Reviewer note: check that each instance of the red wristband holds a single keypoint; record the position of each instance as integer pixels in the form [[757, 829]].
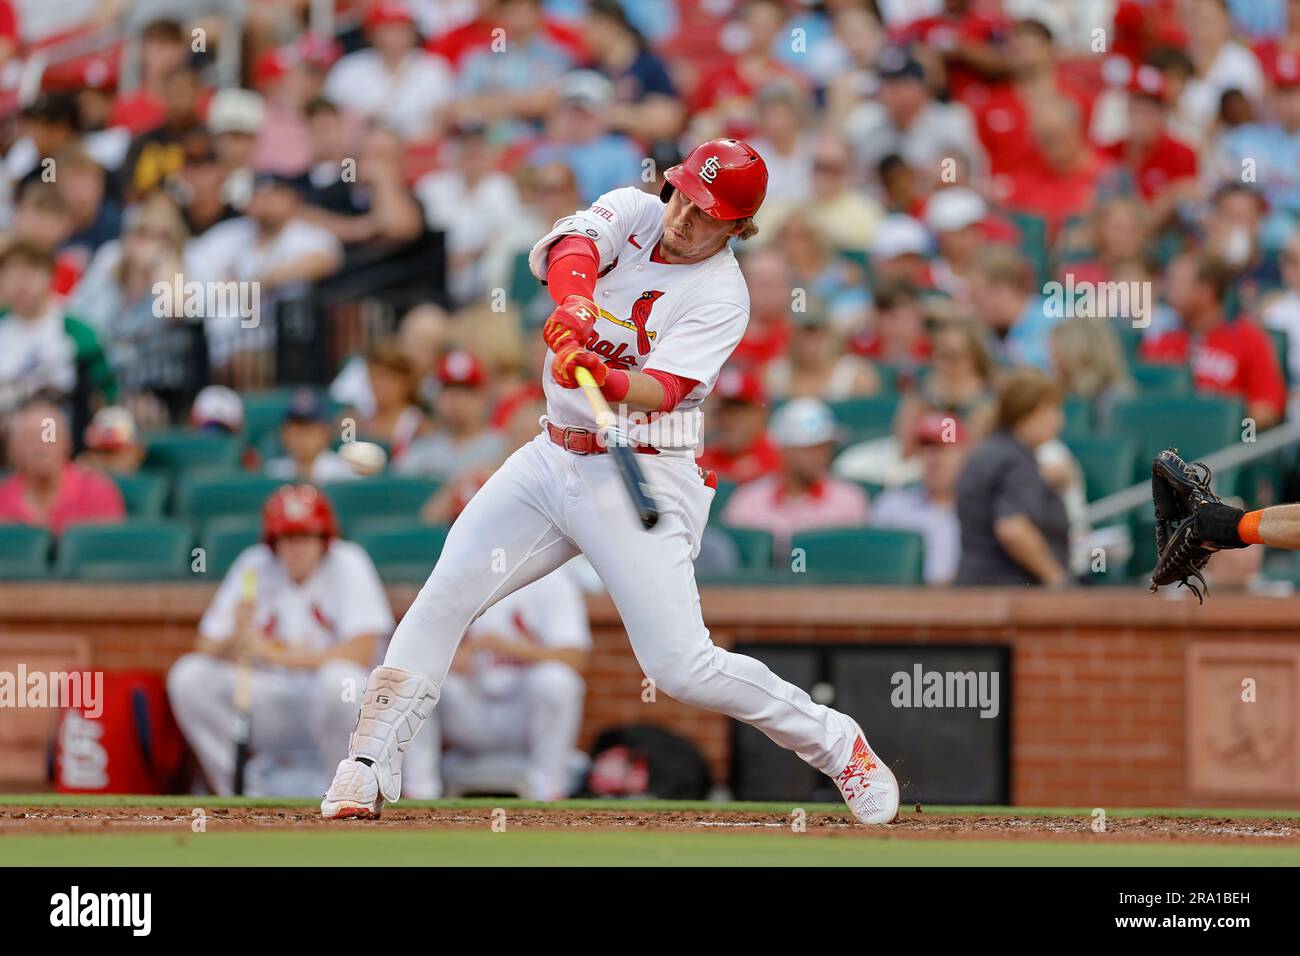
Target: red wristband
[[1248, 527], [616, 385]]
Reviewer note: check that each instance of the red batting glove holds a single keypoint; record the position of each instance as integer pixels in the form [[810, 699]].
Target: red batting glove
[[573, 321], [570, 358]]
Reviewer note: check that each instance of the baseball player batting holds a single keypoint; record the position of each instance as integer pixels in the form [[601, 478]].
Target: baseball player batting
[[650, 302]]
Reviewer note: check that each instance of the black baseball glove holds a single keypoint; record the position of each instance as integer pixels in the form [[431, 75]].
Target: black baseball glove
[[1192, 522]]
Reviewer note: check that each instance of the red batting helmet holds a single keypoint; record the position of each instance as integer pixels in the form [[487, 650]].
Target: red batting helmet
[[297, 509], [724, 177]]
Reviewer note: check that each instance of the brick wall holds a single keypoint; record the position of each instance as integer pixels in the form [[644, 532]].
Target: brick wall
[[1100, 705]]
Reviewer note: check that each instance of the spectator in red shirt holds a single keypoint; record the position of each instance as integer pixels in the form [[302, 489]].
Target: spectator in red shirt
[[1002, 116], [1062, 179], [969, 43], [164, 47], [1163, 168], [768, 332], [741, 449], [46, 488], [1234, 358], [725, 95]]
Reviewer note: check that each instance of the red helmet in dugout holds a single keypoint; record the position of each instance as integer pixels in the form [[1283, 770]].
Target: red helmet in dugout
[[724, 177], [297, 509]]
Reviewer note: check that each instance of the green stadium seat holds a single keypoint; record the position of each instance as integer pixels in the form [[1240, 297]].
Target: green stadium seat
[[1281, 347], [1152, 378], [134, 551], [182, 451], [1107, 464], [523, 284], [24, 552], [866, 418], [1130, 339], [404, 555], [225, 537], [144, 493], [1033, 241], [1194, 424], [204, 498], [862, 555], [1078, 418], [721, 495], [383, 496], [753, 546]]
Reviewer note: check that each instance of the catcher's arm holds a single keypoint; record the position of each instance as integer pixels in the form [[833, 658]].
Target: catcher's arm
[[1277, 527]]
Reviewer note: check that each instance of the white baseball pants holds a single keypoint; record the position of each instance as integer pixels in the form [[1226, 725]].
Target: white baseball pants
[[291, 711], [540, 509]]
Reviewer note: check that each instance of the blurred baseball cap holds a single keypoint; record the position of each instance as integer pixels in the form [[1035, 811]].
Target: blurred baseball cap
[[955, 208], [270, 178], [112, 429], [386, 11], [218, 407], [1149, 82], [802, 423], [899, 235], [586, 88], [939, 429], [740, 385], [897, 63], [1285, 71], [305, 406], [459, 367], [236, 110]]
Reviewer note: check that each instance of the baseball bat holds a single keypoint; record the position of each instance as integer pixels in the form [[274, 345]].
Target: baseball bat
[[243, 730], [616, 442]]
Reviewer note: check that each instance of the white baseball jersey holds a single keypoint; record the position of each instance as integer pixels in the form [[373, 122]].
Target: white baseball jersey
[[550, 612], [341, 600], [683, 319]]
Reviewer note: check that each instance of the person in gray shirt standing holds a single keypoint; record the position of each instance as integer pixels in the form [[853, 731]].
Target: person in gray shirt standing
[[1014, 528], [463, 441]]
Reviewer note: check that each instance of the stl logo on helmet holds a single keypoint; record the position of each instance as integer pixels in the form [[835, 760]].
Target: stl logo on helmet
[[709, 171]]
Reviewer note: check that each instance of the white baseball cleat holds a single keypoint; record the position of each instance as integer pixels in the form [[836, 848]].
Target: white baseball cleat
[[868, 786], [354, 793]]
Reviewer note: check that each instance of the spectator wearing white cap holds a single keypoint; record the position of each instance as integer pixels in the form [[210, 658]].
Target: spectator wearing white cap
[[235, 119], [899, 250], [956, 216], [803, 495], [393, 81], [218, 409]]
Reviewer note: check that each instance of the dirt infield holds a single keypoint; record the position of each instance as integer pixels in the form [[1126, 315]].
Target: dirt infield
[[15, 820]]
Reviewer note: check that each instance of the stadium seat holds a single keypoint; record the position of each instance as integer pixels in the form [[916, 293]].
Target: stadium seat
[[864, 418], [404, 555], [1078, 418], [383, 496], [225, 537], [1281, 347], [721, 495], [263, 413], [753, 546], [1033, 241], [134, 551], [1194, 424], [862, 555], [1130, 339], [203, 498], [1107, 464], [182, 451], [144, 493], [24, 552], [1153, 378]]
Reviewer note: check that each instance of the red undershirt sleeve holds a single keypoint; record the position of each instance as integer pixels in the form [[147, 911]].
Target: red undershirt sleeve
[[675, 388], [572, 268]]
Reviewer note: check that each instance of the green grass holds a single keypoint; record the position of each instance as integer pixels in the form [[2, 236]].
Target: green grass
[[355, 843], [358, 847]]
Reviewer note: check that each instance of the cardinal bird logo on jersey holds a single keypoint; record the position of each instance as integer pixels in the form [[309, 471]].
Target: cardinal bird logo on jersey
[[641, 315]]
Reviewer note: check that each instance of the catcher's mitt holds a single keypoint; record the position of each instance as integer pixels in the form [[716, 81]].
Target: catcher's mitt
[[1179, 491]]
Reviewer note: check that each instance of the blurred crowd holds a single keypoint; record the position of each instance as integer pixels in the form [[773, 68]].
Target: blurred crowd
[[936, 166]]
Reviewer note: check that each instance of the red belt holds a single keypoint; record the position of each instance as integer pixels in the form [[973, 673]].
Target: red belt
[[584, 441]]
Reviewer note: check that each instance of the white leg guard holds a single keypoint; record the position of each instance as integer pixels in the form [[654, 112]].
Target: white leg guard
[[395, 706]]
